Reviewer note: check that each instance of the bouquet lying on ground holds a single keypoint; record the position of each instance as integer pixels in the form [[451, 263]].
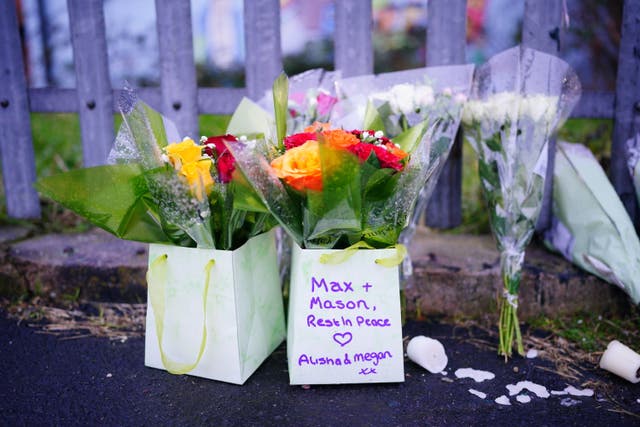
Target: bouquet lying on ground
[[335, 188], [599, 237], [161, 189], [520, 97]]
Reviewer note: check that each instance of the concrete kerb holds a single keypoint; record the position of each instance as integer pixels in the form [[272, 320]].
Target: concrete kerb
[[454, 275]]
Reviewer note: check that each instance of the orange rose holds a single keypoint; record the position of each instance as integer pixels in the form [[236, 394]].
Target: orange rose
[[338, 138], [317, 127], [300, 167], [396, 151]]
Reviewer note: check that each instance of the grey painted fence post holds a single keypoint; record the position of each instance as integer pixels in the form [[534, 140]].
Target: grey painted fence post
[[353, 44], [16, 147], [178, 83], [93, 84], [627, 106], [542, 30], [263, 52], [446, 43]]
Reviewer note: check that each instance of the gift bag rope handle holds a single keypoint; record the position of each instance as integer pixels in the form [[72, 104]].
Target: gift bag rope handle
[[156, 279], [343, 255]]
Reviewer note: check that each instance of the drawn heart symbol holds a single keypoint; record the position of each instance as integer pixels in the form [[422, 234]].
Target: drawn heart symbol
[[342, 338]]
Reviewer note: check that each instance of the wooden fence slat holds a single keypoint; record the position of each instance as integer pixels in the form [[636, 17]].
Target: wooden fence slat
[[16, 147], [542, 30], [594, 105], [86, 19], [627, 106], [210, 100], [177, 65], [263, 51], [353, 46], [224, 101], [219, 100], [446, 45]]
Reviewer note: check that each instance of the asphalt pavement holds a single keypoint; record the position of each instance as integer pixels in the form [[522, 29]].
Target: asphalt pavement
[[66, 380]]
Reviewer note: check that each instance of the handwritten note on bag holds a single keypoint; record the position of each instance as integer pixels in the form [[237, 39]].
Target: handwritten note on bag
[[344, 320]]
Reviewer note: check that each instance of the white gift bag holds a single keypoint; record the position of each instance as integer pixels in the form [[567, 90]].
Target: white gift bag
[[344, 317], [212, 313]]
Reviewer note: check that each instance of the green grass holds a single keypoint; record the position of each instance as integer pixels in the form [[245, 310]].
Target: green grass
[[593, 331]]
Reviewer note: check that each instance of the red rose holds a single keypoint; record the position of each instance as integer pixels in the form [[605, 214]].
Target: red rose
[[297, 139], [386, 159], [362, 150], [214, 147]]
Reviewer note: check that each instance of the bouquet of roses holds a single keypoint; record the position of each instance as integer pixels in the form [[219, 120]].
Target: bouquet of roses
[[520, 97], [333, 188], [160, 189]]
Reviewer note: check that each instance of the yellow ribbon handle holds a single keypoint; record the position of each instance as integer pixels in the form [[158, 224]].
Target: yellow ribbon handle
[[341, 256], [395, 259], [156, 279]]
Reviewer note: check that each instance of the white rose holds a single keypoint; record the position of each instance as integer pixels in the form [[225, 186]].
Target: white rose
[[402, 96]]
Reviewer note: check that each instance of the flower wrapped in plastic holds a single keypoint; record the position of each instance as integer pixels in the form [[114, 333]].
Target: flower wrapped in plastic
[[331, 188], [212, 262], [599, 237], [161, 188], [399, 100], [344, 195], [520, 97]]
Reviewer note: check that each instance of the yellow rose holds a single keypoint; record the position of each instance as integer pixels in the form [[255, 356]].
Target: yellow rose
[[183, 152], [198, 175], [300, 167]]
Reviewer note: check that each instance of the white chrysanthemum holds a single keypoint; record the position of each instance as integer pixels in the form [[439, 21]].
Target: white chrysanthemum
[[540, 107], [473, 111], [423, 95], [503, 107]]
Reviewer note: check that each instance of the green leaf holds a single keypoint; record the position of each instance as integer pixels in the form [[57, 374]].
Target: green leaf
[[372, 118], [489, 175], [113, 197], [250, 119], [157, 125], [280, 106], [409, 139], [244, 196], [494, 143], [381, 185], [337, 209]]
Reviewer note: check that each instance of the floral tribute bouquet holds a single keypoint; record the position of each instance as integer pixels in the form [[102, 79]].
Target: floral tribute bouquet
[[212, 259], [520, 97], [331, 188], [344, 196]]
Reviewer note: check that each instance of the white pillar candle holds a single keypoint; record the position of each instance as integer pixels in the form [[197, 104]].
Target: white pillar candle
[[622, 361], [428, 353]]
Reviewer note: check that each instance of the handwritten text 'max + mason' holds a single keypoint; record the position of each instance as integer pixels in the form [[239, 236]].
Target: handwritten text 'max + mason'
[[321, 286]]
